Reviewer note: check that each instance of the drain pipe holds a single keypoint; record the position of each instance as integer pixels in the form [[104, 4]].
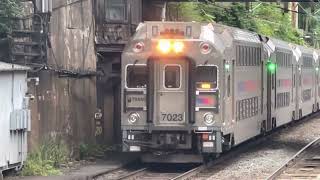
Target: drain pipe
[[164, 9]]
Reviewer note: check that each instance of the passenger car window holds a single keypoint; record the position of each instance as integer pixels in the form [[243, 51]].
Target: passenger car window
[[206, 74], [172, 76], [136, 76]]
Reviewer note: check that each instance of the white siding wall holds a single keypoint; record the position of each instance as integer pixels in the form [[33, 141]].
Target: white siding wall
[[13, 144]]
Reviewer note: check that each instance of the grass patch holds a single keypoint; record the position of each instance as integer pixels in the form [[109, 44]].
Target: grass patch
[[93, 150], [46, 160]]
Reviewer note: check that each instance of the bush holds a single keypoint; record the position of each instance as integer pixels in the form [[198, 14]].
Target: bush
[[46, 160]]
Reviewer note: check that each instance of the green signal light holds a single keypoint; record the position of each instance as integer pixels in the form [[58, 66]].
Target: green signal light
[[227, 66], [317, 69], [271, 67]]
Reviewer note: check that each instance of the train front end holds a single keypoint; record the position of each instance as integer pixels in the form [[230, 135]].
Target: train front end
[[171, 92]]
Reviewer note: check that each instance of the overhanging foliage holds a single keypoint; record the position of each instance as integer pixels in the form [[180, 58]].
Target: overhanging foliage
[[267, 19], [8, 10]]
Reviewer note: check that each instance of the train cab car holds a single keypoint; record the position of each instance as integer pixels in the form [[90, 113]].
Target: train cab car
[[171, 92], [280, 84], [306, 82], [192, 90]]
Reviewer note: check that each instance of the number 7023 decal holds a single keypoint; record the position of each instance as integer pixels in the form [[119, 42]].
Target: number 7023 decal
[[171, 117]]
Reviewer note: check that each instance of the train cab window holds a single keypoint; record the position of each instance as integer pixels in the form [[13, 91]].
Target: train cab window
[[136, 76], [206, 74], [116, 10], [172, 76]]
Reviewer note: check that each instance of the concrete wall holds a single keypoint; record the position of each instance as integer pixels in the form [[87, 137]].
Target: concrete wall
[[64, 106]]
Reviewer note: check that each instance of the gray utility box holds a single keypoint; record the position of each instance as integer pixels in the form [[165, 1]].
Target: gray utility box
[[14, 116]]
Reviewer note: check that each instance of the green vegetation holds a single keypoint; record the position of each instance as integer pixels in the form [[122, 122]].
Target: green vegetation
[[270, 20], [92, 150], [265, 18], [8, 10], [46, 160]]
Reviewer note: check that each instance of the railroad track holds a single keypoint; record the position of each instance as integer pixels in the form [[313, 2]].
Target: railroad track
[[143, 172], [206, 171], [161, 172], [137, 171], [303, 165], [121, 172]]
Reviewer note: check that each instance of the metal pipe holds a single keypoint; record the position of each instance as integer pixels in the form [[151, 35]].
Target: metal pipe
[[163, 15]]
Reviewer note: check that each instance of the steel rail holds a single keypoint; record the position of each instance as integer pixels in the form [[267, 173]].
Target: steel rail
[[134, 174], [190, 173], [120, 168], [293, 159]]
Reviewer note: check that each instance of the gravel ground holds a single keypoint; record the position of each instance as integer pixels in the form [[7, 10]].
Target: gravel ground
[[261, 161]]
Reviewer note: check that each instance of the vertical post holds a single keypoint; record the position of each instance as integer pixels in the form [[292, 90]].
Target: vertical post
[[130, 18], [294, 15], [163, 15]]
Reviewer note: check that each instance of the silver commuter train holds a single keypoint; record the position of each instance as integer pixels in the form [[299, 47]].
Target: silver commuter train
[[192, 90]]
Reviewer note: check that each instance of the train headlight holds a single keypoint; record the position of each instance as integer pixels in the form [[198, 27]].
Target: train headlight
[[208, 118], [164, 46], [133, 117], [178, 47]]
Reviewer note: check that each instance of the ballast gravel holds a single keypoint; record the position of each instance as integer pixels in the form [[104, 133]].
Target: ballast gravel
[[263, 160]]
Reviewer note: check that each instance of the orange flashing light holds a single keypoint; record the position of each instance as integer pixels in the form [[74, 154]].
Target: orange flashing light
[[165, 46], [205, 85]]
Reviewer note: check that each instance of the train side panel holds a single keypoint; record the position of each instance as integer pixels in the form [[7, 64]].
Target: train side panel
[[306, 82], [248, 91], [285, 92]]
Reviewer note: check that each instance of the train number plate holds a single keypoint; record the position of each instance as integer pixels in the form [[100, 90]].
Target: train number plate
[[172, 117]]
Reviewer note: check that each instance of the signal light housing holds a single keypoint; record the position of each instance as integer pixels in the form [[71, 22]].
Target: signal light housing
[[138, 47], [205, 48]]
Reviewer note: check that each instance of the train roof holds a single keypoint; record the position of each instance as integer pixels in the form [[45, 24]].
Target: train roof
[[237, 34], [281, 44], [306, 50]]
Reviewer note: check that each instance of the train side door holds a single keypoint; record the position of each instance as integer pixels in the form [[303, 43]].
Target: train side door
[[271, 97], [315, 81], [298, 92], [171, 88]]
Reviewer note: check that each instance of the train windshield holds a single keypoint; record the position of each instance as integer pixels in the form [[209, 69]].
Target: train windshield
[[172, 76], [137, 76], [207, 75]]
